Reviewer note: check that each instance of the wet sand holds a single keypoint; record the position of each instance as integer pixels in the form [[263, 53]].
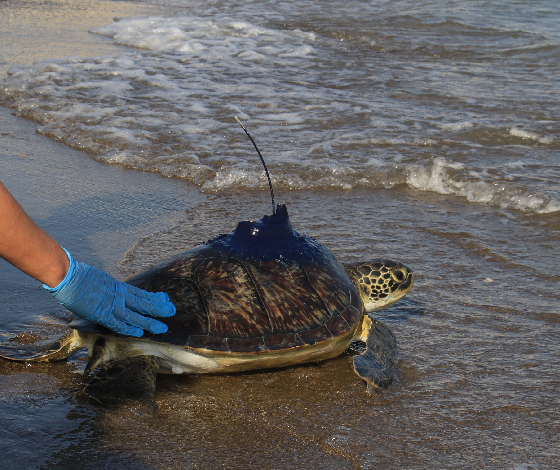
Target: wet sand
[[96, 211], [45, 29]]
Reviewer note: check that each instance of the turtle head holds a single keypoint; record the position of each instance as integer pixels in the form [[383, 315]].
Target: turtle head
[[380, 282]]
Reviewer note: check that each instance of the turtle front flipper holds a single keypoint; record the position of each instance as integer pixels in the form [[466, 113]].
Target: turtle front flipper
[[376, 365], [129, 382], [60, 350]]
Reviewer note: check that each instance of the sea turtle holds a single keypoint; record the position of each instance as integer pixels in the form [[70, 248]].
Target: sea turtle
[[260, 297]]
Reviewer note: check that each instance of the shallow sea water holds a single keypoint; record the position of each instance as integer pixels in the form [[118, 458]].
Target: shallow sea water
[[426, 133]]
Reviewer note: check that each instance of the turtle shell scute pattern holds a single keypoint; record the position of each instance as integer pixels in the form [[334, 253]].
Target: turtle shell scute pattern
[[246, 305]]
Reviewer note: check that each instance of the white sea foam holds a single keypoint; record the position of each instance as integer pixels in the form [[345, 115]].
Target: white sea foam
[[457, 126], [221, 36], [514, 131], [434, 178], [445, 177], [167, 106]]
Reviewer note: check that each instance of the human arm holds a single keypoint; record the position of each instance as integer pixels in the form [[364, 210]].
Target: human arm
[[84, 290], [26, 246]]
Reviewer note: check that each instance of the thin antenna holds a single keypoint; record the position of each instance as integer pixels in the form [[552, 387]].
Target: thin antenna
[[264, 164]]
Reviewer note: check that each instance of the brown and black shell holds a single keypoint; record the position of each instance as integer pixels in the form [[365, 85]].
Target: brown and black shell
[[263, 287]]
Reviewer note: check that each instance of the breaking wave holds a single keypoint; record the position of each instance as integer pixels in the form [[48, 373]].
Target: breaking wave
[[168, 107]]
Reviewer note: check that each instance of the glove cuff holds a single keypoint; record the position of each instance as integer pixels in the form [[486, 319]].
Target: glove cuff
[[69, 274]]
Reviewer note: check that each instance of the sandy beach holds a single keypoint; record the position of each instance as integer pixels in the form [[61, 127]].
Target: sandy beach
[[435, 176]]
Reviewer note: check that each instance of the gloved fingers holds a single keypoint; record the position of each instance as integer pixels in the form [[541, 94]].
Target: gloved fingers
[[121, 327], [113, 314], [136, 320], [148, 303], [145, 323]]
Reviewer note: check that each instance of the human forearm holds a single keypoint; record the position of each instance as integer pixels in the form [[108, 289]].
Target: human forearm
[[26, 246], [86, 291]]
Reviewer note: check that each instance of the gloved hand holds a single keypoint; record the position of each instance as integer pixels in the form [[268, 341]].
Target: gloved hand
[[94, 295]]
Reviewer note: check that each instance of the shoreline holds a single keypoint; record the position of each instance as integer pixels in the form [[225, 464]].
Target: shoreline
[[479, 358], [96, 211], [35, 30], [54, 182]]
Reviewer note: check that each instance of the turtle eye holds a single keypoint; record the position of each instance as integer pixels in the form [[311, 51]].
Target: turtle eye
[[398, 275]]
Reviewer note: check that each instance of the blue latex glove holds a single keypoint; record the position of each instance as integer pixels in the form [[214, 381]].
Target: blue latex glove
[[94, 295]]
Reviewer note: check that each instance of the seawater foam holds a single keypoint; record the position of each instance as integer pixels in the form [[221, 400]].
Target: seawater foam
[[204, 70], [457, 126], [219, 37], [167, 106], [444, 177], [514, 131], [434, 179]]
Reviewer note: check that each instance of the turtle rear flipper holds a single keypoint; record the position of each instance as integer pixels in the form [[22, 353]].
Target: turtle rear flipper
[[60, 350], [377, 364], [129, 382]]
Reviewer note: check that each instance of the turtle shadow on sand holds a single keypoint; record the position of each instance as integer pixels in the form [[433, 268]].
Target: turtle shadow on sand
[[260, 297]]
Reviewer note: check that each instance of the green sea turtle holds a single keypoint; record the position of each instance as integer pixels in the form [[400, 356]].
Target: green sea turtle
[[260, 297]]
